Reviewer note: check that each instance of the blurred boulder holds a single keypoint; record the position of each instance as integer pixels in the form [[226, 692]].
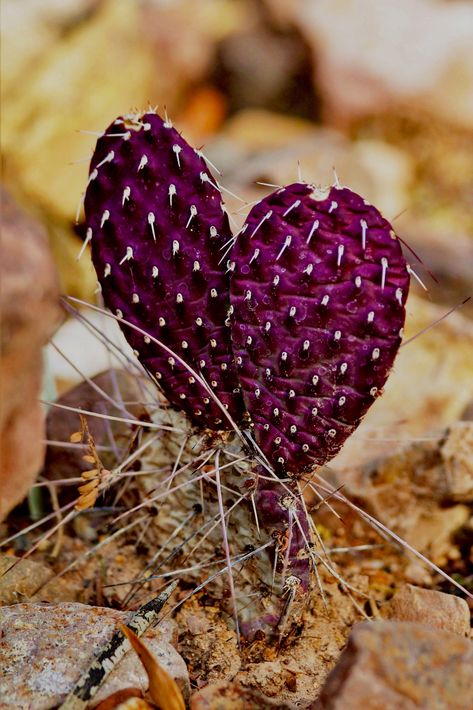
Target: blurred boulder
[[373, 56], [258, 145], [29, 313], [393, 665], [427, 606], [71, 68]]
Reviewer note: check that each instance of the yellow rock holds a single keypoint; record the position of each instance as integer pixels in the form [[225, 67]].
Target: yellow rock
[[95, 73]]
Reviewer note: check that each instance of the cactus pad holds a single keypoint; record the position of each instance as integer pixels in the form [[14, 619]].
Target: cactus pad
[[317, 292], [157, 226]]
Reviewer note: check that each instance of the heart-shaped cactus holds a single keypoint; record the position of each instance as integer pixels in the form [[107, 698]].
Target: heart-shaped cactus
[[157, 226], [294, 330], [318, 288]]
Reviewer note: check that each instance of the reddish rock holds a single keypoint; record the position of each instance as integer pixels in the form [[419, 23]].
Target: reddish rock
[[30, 311], [391, 665], [231, 696], [427, 606]]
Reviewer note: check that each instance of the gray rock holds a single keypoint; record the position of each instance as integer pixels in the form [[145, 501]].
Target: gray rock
[[44, 649]]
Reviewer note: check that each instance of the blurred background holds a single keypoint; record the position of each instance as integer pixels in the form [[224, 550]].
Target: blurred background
[[379, 91]]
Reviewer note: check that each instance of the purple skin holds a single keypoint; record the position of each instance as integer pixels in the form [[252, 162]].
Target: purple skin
[[280, 510], [156, 224], [318, 292]]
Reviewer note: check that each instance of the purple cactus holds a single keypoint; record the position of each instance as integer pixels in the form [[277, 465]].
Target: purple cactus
[[156, 223], [318, 292]]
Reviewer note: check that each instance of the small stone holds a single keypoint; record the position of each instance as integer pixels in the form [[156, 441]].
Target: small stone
[[393, 665], [427, 606], [232, 696], [46, 648], [417, 573], [19, 579], [457, 458]]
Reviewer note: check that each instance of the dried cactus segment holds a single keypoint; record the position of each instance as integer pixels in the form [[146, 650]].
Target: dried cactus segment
[[156, 225], [318, 292], [280, 509]]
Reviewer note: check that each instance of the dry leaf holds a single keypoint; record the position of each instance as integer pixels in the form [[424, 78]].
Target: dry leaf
[[89, 490], [135, 704], [162, 688], [119, 699]]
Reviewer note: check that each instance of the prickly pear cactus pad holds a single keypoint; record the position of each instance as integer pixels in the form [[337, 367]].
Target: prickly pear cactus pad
[[318, 288], [156, 226]]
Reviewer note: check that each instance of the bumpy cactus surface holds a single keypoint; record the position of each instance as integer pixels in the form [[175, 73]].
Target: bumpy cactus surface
[[294, 330], [318, 290], [156, 225]]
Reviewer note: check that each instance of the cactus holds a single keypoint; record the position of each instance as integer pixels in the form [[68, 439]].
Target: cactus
[[292, 334], [156, 225], [318, 288]]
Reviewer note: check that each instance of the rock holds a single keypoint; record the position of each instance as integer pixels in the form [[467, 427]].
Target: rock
[[258, 145], [391, 665], [41, 24], [419, 481], [29, 313], [260, 66], [82, 346], [288, 675], [83, 82], [45, 648], [361, 54], [23, 580], [19, 581], [427, 606], [457, 457], [231, 696]]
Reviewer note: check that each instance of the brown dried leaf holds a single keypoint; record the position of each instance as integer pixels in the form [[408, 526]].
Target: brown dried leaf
[[135, 704], [86, 501], [89, 487], [93, 473], [118, 699], [88, 458], [162, 688]]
